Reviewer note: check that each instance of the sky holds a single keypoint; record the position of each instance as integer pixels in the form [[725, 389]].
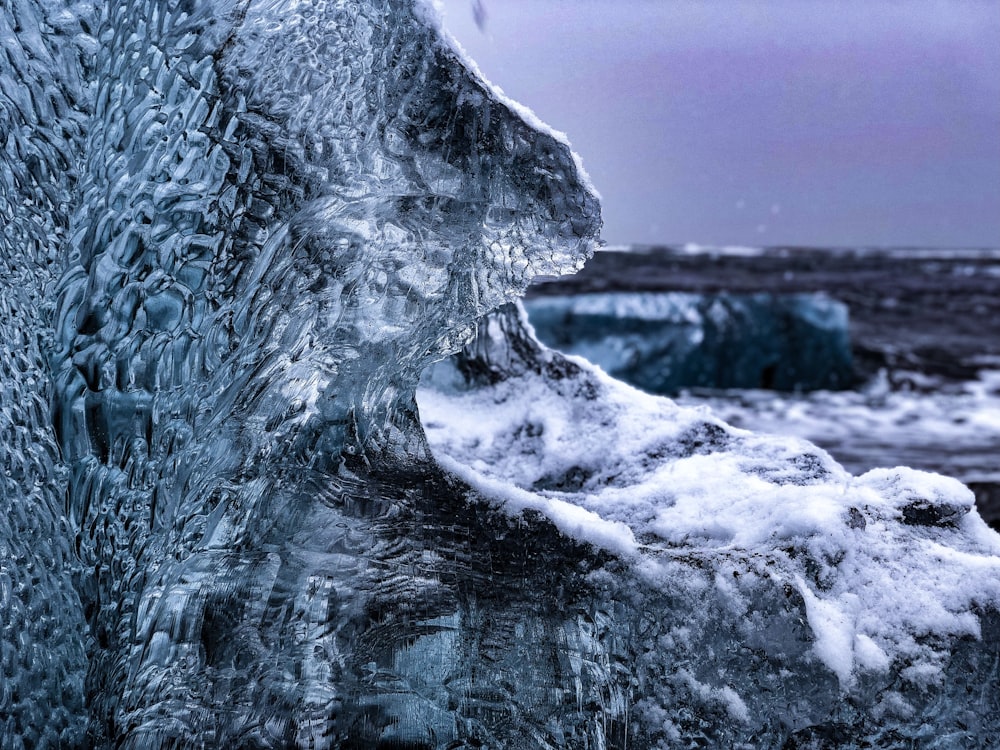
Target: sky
[[764, 122]]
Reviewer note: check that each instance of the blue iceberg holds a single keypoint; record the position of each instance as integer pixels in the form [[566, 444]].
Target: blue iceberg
[[663, 342]]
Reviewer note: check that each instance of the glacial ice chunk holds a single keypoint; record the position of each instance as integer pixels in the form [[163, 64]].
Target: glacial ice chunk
[[288, 211]]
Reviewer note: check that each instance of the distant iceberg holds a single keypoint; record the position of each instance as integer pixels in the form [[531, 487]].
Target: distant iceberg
[[665, 341], [238, 236]]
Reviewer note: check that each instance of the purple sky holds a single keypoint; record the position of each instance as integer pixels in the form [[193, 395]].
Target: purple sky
[[809, 122]]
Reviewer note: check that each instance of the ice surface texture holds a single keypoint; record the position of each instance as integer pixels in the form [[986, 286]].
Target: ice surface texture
[[42, 114], [288, 210], [268, 218]]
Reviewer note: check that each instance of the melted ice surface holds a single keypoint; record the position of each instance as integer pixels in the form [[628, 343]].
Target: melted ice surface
[[264, 220], [43, 107]]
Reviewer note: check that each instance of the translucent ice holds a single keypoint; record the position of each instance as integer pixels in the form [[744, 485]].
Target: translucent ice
[[289, 210], [42, 109]]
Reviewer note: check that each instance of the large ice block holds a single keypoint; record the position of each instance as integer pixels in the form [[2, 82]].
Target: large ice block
[[289, 210]]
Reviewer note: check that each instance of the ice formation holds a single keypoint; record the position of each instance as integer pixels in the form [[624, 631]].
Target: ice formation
[[42, 113], [664, 341], [288, 211], [235, 235]]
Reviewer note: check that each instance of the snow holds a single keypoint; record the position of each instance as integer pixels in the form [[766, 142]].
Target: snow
[[881, 560]]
